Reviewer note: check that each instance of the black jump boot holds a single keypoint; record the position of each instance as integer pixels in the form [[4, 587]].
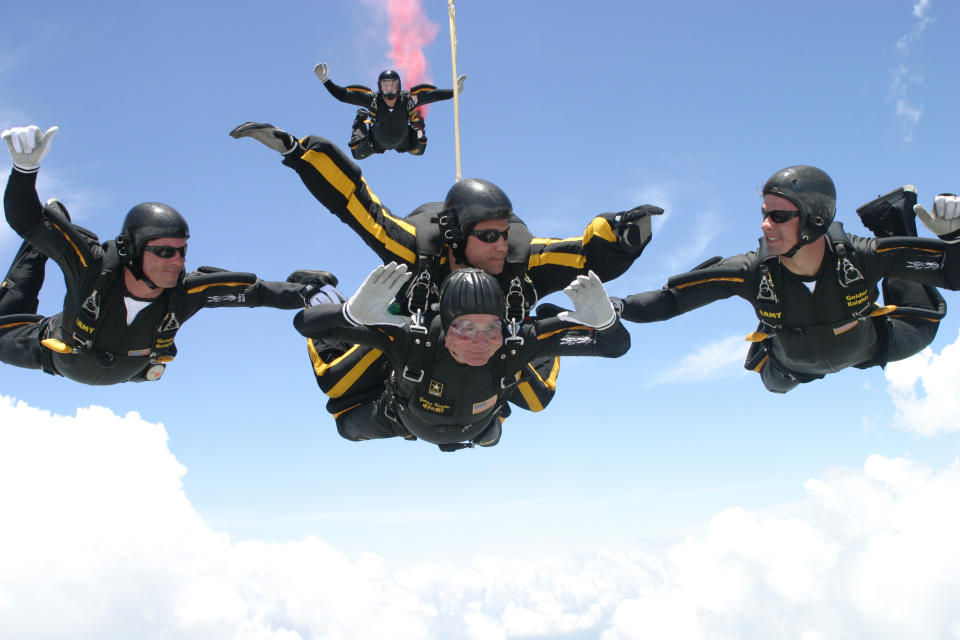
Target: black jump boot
[[891, 214]]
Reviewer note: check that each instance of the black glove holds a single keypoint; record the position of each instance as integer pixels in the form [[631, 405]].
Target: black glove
[[633, 226], [318, 278], [319, 286], [548, 310]]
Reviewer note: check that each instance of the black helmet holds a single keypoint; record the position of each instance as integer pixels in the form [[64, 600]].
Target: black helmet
[[469, 290], [145, 222], [813, 192], [389, 74], [468, 202]]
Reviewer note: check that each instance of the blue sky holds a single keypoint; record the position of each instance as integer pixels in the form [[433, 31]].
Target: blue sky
[[664, 486]]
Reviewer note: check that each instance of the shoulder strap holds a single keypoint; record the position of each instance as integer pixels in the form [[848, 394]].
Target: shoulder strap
[[89, 315], [423, 288], [849, 273], [767, 304], [420, 347], [509, 367]]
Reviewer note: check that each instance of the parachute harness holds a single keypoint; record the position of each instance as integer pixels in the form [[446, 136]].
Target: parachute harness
[[515, 311]]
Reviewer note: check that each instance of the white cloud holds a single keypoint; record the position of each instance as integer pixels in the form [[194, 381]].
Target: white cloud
[[904, 78], [717, 360], [926, 391], [99, 540]]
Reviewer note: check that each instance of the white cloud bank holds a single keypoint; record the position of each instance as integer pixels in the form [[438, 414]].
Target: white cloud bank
[[926, 391], [98, 540], [718, 360]]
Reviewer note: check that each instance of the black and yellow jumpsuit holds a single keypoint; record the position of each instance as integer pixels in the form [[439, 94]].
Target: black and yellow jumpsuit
[[550, 264], [451, 402]]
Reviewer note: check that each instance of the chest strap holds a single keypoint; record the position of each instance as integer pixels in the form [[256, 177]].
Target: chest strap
[[849, 276]]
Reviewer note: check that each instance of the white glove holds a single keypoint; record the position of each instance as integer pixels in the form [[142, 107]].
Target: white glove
[[370, 303], [945, 220], [328, 294], [591, 306], [460, 80], [28, 146], [321, 70]]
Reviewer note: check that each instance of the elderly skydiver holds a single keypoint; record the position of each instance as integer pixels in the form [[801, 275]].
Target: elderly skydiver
[[450, 382], [475, 226]]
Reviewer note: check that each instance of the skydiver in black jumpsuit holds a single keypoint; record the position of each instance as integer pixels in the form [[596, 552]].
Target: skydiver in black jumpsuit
[[125, 299], [476, 213], [452, 382], [389, 118], [814, 288]]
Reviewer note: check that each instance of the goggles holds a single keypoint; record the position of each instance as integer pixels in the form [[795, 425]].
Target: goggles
[[166, 252], [779, 216], [472, 330], [489, 235]]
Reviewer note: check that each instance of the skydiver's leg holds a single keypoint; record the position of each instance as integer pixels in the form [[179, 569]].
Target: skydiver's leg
[[332, 177], [20, 289], [369, 421], [416, 142], [490, 436], [922, 307], [914, 325], [20, 336], [323, 167], [779, 379], [363, 422], [349, 374], [537, 385], [361, 145], [20, 328]]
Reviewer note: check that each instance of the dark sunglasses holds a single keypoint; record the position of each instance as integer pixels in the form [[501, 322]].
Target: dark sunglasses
[[165, 252], [780, 216], [489, 235]]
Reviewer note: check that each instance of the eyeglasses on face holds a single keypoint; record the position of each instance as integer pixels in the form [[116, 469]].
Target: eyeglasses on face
[[779, 216], [489, 235], [472, 330], [166, 252]]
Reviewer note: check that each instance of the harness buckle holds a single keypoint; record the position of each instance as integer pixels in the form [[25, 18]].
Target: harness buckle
[[848, 271], [81, 343], [416, 324], [765, 292], [412, 375], [514, 338], [418, 297]]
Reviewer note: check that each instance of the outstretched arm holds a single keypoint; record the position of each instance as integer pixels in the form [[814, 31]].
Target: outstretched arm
[[688, 291], [212, 287], [354, 94], [608, 246]]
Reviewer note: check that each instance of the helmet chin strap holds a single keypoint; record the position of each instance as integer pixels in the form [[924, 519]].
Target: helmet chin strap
[[793, 250], [140, 276]]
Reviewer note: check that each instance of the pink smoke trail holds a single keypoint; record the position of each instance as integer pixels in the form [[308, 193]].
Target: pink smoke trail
[[410, 32]]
